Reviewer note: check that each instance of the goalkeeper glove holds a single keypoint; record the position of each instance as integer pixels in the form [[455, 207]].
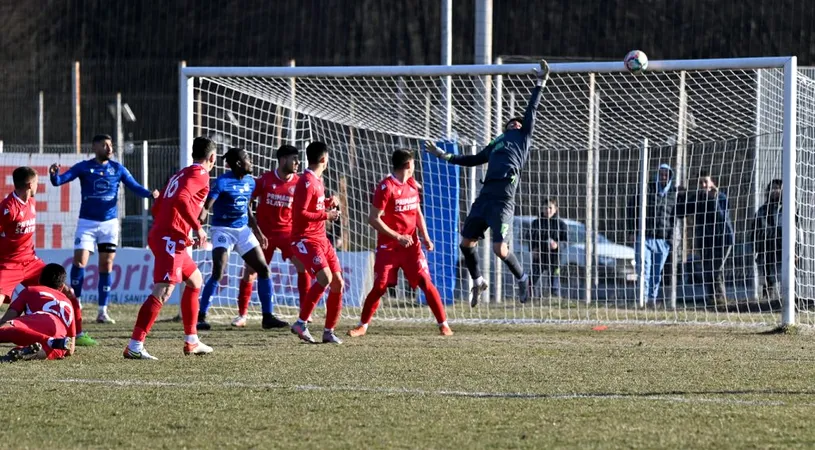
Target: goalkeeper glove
[[543, 72], [431, 148]]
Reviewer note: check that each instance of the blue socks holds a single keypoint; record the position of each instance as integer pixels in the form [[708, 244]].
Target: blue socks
[[265, 295], [104, 288], [77, 279], [209, 289]]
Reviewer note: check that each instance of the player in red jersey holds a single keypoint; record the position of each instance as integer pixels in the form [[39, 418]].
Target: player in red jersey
[[397, 217], [275, 193], [177, 211], [312, 248], [41, 319], [19, 263]]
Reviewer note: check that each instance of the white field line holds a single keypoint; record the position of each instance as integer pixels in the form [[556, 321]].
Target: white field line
[[694, 398]]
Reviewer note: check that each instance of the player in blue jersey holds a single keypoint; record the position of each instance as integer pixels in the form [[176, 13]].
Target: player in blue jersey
[[98, 226], [234, 226]]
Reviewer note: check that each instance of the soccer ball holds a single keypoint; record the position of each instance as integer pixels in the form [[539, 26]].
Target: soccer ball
[[636, 62]]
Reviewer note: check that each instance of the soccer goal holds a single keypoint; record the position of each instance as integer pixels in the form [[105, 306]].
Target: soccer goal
[[601, 135]]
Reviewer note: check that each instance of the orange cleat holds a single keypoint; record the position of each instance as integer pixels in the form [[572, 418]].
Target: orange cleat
[[357, 331], [445, 330]]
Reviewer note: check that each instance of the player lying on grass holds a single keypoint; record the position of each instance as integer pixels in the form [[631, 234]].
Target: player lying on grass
[[41, 319], [234, 226], [98, 226], [176, 214], [275, 193], [312, 248], [494, 208], [397, 217], [19, 264]]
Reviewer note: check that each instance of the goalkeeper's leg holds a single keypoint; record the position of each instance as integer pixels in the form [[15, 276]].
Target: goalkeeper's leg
[[500, 222], [474, 227]]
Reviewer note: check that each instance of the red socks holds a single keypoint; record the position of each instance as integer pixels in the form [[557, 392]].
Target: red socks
[[433, 298], [22, 335], [244, 295], [148, 313], [304, 281], [332, 309], [189, 310], [372, 303], [312, 297]]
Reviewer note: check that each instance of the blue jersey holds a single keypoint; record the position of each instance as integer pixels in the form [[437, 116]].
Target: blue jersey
[[232, 197], [100, 187]]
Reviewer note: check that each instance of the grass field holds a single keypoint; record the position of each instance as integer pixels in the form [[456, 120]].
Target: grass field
[[402, 386]]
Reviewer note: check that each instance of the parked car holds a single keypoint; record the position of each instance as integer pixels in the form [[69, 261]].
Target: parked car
[[615, 263]]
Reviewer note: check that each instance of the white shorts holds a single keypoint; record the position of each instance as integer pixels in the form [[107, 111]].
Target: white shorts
[[90, 233], [242, 239]]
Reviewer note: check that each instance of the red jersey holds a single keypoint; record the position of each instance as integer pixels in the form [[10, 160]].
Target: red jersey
[[177, 209], [17, 224], [308, 208], [399, 203], [44, 300], [276, 196]]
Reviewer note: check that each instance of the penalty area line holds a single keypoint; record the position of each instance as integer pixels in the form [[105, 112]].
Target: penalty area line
[[421, 392]]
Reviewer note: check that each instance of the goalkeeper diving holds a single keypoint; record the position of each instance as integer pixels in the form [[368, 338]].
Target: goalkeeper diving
[[494, 208]]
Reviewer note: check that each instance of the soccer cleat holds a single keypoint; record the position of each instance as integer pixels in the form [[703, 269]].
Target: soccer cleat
[[104, 318], [239, 321], [357, 331], [198, 348], [445, 330], [83, 340], [22, 353], [130, 354], [525, 290], [330, 338], [301, 330], [475, 292], [270, 321], [203, 326]]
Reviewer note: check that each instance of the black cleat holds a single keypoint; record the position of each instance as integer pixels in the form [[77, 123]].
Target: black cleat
[[270, 321], [22, 353], [203, 326]]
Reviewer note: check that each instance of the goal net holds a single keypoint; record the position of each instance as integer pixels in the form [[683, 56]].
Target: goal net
[[597, 128]]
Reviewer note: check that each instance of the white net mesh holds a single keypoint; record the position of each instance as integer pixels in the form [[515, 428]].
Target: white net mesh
[[727, 122]]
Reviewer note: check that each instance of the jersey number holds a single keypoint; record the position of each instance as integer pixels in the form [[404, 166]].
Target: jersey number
[[60, 309], [172, 185]]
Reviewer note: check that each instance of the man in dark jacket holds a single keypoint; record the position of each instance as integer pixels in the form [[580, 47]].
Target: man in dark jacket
[[546, 236], [660, 215], [713, 232], [767, 238]]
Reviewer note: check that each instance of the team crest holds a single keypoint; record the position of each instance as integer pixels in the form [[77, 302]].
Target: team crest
[[77, 241], [291, 190], [221, 239], [274, 186], [110, 171], [399, 192], [317, 260], [308, 184], [383, 187]]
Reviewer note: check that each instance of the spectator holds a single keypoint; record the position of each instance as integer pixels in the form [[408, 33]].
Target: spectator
[[546, 236], [660, 215], [713, 233], [767, 238]]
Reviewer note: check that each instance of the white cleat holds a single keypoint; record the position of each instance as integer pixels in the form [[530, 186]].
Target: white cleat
[[239, 321], [197, 349], [130, 354], [330, 338], [104, 318]]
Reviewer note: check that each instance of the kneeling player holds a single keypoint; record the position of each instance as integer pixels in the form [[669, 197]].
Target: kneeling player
[[397, 217], [230, 202], [275, 193], [41, 319], [176, 212]]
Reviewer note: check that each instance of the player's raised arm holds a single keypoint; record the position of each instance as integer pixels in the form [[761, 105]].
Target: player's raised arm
[[133, 185], [542, 75], [478, 159], [69, 175]]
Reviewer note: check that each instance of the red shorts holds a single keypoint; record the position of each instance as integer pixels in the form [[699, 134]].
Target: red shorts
[[278, 241], [47, 324], [15, 274], [316, 255], [390, 259], [173, 264]]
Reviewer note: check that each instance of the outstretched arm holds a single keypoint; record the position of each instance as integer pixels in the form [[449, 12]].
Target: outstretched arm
[[542, 75], [133, 185], [58, 179], [478, 159]]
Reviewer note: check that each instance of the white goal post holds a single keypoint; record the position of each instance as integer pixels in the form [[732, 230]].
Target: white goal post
[[743, 121]]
